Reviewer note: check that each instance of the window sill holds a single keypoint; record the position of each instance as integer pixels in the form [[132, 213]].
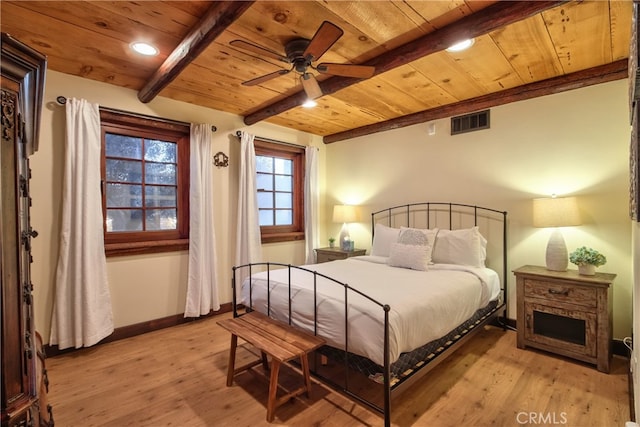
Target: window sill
[[136, 248], [283, 237]]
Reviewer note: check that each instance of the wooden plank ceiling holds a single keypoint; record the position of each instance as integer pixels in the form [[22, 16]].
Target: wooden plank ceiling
[[521, 49]]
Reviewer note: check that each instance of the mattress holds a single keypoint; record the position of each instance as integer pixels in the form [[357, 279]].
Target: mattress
[[423, 305]]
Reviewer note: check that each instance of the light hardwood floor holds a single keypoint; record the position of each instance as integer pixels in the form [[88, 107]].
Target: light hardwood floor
[[176, 377]]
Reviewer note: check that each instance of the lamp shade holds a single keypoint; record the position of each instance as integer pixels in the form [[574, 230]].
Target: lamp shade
[[345, 213], [556, 212]]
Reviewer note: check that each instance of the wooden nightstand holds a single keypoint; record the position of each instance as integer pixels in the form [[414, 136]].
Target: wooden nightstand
[[332, 254], [566, 313]]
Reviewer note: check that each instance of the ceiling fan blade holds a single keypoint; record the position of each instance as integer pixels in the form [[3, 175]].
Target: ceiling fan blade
[[265, 78], [241, 44], [347, 70], [322, 40], [311, 86]]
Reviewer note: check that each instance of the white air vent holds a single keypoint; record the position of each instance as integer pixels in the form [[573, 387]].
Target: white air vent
[[470, 122]]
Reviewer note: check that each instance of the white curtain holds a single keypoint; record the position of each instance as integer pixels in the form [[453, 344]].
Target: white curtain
[[82, 313], [311, 202], [202, 285], [248, 242]]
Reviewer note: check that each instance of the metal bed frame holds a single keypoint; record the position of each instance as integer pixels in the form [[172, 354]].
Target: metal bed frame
[[426, 214]]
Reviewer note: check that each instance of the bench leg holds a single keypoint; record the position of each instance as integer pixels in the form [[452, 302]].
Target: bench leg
[[265, 362], [304, 362], [273, 389], [232, 359]]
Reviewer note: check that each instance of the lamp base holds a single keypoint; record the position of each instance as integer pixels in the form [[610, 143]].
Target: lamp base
[[345, 238], [556, 257]]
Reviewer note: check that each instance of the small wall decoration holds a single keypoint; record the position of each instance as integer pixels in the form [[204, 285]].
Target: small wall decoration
[[221, 160]]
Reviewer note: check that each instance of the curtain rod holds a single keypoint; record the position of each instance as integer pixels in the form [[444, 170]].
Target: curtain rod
[[275, 141], [63, 100]]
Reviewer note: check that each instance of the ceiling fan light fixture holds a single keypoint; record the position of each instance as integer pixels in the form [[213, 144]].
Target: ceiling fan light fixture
[[309, 103], [460, 46], [310, 86], [144, 48]]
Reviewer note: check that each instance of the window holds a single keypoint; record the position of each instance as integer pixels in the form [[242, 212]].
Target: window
[[280, 186], [145, 184]]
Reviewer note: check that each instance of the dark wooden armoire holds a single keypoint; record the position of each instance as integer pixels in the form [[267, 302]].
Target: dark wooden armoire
[[23, 374]]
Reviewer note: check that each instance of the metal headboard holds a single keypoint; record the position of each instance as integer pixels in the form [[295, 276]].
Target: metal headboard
[[491, 222]]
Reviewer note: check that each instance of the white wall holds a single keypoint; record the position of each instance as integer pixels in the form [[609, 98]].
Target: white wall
[[635, 367], [572, 143], [143, 287]]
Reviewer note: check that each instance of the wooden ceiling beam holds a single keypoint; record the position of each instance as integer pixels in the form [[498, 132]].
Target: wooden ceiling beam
[[219, 16], [605, 73], [489, 19]]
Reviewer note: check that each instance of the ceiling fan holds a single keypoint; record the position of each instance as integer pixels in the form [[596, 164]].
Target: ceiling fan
[[300, 53]]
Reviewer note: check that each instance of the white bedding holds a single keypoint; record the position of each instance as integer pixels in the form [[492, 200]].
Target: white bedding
[[425, 305]]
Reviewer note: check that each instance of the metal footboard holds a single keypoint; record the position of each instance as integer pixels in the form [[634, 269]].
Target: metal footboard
[[384, 309]]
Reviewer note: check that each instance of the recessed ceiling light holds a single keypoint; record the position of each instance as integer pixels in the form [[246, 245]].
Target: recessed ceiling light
[[144, 48], [460, 46], [309, 103]]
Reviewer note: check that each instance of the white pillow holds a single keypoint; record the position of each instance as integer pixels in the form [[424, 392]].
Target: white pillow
[[415, 257], [465, 247], [417, 236], [383, 238]]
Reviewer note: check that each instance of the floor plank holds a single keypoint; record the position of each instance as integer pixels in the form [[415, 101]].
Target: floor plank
[[176, 377]]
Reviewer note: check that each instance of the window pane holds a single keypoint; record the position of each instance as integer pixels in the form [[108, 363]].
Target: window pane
[[124, 196], [284, 166], [280, 199], [266, 217], [156, 196], [264, 181], [264, 164], [145, 171], [161, 219], [124, 219], [284, 200], [284, 183], [124, 171], [160, 151], [129, 147], [283, 217], [265, 200], [159, 173]]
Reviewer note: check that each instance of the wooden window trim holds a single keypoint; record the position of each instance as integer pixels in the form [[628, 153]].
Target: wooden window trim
[[274, 234], [129, 243]]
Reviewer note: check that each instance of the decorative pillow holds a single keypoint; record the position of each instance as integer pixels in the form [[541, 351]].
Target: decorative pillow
[[465, 247], [383, 238], [415, 257], [417, 236]]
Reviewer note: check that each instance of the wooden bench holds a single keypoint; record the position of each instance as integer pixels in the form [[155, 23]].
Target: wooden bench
[[276, 339]]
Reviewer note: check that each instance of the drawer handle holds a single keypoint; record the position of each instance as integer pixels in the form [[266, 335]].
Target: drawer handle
[[556, 292]]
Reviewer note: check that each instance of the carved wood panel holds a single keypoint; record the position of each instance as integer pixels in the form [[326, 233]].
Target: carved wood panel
[[634, 169], [634, 146]]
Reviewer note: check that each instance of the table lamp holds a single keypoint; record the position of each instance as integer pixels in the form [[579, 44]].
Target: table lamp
[[556, 212], [345, 214]]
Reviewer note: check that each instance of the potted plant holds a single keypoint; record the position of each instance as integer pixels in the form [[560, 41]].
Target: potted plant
[[587, 260], [331, 242]]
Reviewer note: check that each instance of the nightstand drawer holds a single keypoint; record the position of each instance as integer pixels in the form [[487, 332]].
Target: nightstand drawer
[[321, 257], [334, 254], [556, 291]]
